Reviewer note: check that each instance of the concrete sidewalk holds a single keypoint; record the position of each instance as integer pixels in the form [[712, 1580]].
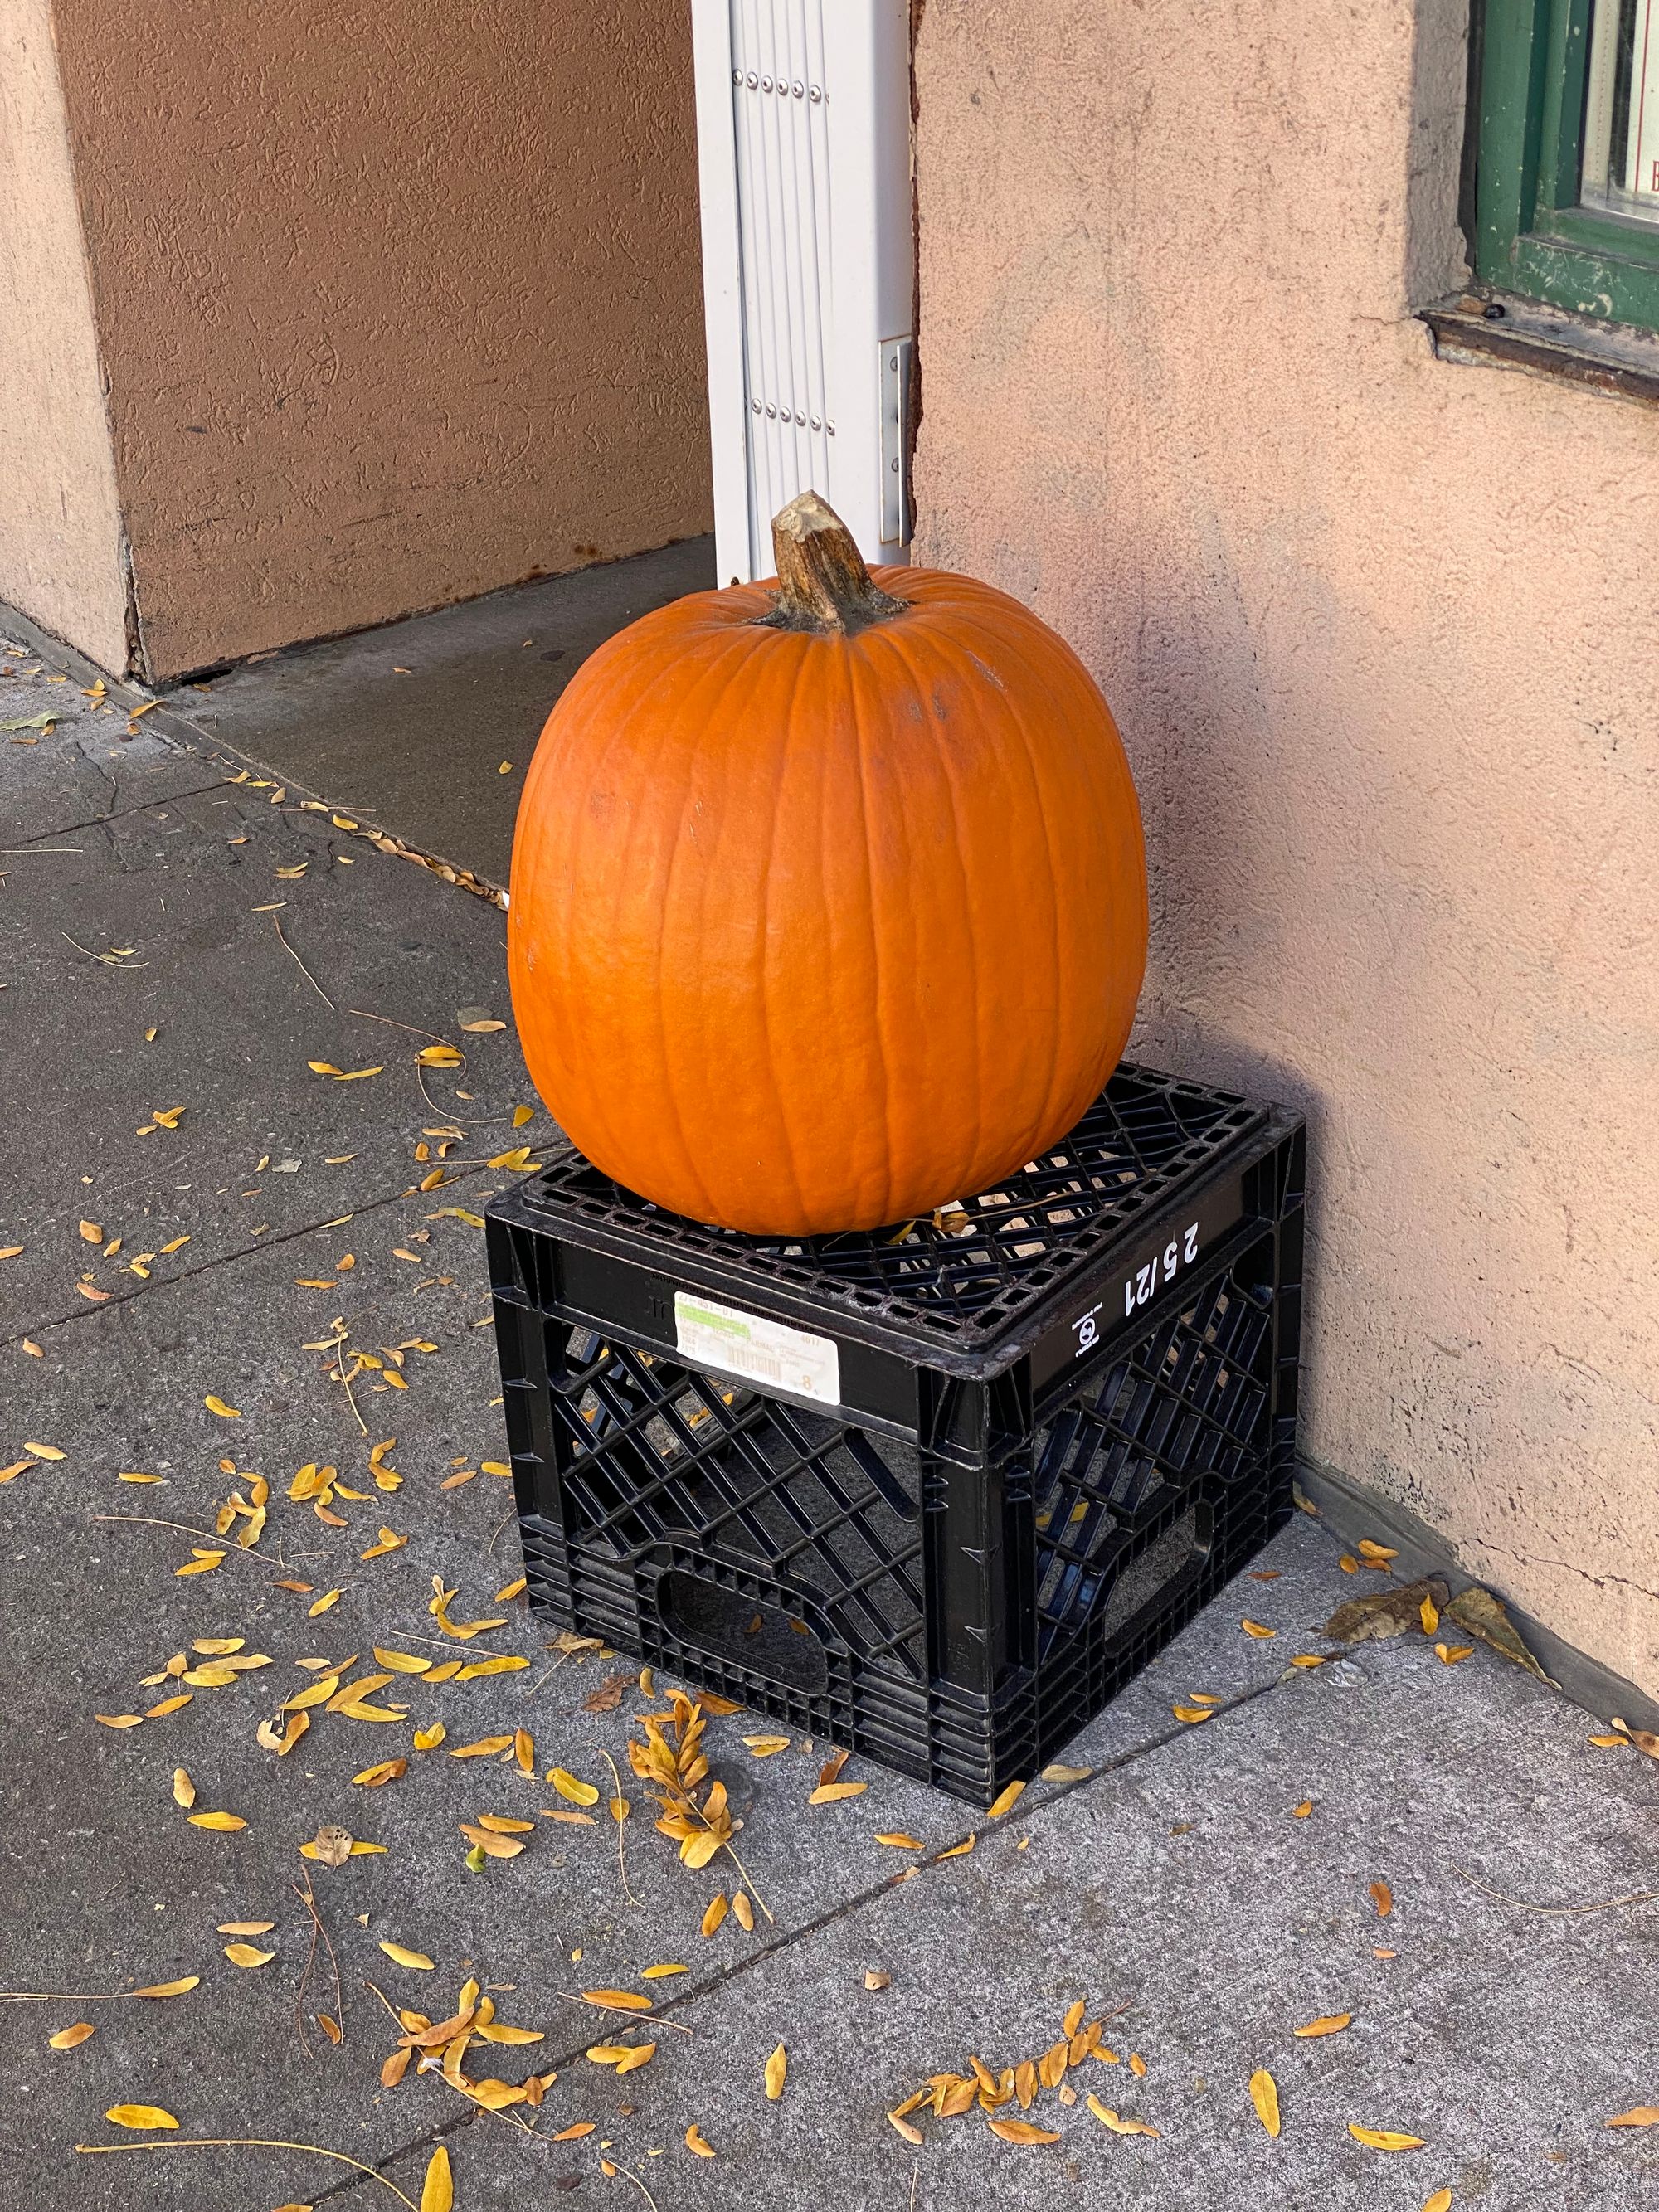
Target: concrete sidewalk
[[1501, 2011]]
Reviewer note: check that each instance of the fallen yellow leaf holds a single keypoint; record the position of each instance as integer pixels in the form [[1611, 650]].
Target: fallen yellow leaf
[[43, 1451], [1639, 2115], [618, 2000], [830, 1793], [777, 2071], [72, 2038], [375, 1777], [1264, 2095], [492, 1845], [1005, 1801], [202, 1563], [1191, 1714], [1256, 1628], [246, 1954], [438, 2189], [401, 1956], [1384, 2138], [224, 1823], [216, 1405], [1330, 2024], [140, 2116], [1022, 2131], [696, 2141], [1440, 2201], [579, 1793], [1115, 2122]]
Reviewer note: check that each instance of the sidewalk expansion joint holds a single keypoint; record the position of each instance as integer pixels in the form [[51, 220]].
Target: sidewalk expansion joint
[[725, 1976]]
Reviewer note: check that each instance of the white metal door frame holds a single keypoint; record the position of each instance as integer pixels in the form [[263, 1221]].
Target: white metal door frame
[[803, 155]]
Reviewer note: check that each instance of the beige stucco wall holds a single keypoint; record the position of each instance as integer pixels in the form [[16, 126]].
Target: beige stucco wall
[[60, 549], [395, 305], [1383, 637]]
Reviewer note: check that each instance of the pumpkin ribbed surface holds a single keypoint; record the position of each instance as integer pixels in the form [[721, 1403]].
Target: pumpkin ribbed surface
[[812, 931]]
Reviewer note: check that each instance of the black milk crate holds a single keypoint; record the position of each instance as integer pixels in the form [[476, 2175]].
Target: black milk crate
[[937, 1491]]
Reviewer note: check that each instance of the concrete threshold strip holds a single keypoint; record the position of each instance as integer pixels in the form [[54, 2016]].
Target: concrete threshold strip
[[382, 840]]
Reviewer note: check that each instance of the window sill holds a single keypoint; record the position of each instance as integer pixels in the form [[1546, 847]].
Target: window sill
[[1610, 357]]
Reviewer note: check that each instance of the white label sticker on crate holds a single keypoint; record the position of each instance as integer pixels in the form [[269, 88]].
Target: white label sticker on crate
[[713, 1336]]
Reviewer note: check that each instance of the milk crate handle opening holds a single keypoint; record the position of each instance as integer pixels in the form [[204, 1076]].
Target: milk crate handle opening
[[762, 1639]]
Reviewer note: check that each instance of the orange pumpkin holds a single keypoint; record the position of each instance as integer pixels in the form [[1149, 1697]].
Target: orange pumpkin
[[828, 894]]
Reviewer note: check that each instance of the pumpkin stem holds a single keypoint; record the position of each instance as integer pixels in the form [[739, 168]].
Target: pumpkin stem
[[823, 585]]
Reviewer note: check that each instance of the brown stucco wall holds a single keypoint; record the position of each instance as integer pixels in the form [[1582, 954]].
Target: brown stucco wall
[[395, 305], [60, 547], [1382, 636]]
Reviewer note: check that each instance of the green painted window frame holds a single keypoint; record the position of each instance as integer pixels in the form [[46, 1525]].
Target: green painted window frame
[[1530, 234]]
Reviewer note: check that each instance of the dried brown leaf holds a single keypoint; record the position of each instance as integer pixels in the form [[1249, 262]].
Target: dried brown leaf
[[1022, 2131]]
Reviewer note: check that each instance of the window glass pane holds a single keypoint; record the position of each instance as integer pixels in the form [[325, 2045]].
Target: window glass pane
[[1621, 110]]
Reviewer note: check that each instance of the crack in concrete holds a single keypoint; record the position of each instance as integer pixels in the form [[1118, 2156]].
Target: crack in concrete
[[120, 813], [466, 1180]]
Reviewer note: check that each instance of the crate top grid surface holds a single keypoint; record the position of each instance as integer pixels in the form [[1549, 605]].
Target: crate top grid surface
[[967, 1285]]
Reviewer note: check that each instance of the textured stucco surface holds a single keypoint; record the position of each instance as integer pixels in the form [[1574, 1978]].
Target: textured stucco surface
[[60, 554], [1382, 642], [395, 306]]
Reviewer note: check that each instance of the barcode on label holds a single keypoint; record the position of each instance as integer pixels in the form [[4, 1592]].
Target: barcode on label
[[710, 1334]]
